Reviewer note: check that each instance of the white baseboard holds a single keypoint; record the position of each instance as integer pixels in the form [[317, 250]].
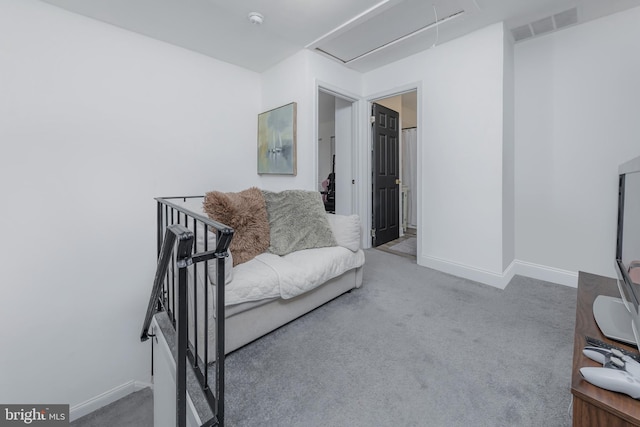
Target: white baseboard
[[548, 274], [110, 396], [501, 280], [498, 280]]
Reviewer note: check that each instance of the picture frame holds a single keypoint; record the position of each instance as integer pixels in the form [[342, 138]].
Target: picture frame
[[277, 145]]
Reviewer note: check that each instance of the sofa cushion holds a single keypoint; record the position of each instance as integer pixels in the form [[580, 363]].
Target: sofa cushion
[[246, 213], [297, 220], [346, 230]]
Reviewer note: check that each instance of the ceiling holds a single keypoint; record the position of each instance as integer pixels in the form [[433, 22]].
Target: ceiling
[[361, 34]]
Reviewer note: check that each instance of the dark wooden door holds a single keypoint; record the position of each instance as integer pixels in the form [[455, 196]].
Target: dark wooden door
[[386, 183]]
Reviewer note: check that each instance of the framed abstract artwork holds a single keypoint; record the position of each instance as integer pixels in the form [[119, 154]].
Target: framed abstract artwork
[[277, 141]]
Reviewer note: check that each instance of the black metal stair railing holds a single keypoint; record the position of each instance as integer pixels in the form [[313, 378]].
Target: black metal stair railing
[[163, 298]]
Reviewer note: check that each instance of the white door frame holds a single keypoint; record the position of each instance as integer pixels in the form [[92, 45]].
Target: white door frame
[[361, 150], [365, 159], [353, 179]]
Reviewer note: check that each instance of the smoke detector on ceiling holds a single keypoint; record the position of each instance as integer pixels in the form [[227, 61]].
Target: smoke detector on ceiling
[[255, 18]]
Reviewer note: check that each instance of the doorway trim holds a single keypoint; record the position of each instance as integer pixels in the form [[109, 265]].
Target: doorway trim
[[356, 101], [365, 160]]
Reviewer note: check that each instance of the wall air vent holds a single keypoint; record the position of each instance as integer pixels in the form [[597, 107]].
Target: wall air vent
[[542, 26], [380, 31], [521, 33], [546, 25], [566, 18]]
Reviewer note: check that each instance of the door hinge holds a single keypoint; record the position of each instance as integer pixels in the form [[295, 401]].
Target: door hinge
[[372, 119], [373, 233]]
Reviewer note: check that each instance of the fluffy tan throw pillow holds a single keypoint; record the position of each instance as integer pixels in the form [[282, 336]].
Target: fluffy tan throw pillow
[[246, 213]]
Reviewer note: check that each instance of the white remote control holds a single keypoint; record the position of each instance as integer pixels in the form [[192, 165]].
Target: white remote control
[[612, 379]]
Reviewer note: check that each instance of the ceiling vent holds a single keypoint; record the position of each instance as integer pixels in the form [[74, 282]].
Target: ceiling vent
[[566, 18], [546, 25]]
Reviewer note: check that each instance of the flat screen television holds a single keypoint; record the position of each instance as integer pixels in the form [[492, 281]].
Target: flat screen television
[[620, 318]]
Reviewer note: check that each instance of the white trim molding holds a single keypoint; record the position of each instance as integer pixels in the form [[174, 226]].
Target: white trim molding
[[501, 280], [548, 274], [498, 280]]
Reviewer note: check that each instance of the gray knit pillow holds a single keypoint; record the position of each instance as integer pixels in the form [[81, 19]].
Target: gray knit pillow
[[297, 220]]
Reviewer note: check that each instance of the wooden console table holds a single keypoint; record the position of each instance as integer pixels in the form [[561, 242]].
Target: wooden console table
[[594, 406]]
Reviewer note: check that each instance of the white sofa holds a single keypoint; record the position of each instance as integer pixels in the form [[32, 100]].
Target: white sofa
[[270, 290], [247, 321]]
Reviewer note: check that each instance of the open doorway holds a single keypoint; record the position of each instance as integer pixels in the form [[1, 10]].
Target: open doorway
[[336, 136], [406, 106]]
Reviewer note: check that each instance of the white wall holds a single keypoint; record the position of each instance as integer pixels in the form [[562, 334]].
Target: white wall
[[326, 135], [326, 150], [295, 80], [344, 157], [577, 109], [90, 113], [409, 112], [284, 83], [95, 122], [460, 160]]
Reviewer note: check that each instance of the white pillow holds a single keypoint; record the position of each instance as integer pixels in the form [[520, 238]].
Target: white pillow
[[346, 230]]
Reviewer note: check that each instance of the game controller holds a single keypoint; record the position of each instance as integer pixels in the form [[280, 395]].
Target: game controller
[[596, 354], [612, 379], [614, 359]]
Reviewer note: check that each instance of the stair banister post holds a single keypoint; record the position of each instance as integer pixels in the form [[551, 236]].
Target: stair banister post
[[183, 260]]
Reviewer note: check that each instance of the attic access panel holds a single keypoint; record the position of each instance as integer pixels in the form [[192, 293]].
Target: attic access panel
[[397, 22]]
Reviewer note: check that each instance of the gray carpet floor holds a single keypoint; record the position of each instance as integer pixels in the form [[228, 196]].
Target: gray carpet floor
[[412, 347]]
